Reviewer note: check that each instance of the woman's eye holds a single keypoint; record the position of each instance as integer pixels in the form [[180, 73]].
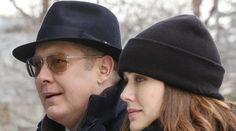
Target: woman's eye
[[139, 78]]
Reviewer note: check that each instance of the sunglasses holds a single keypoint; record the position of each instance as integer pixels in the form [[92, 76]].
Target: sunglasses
[[56, 63]]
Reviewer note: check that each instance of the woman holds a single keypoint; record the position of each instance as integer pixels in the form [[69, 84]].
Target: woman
[[173, 73]]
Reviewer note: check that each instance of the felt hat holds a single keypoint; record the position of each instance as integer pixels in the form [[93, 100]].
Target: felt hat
[[81, 22]]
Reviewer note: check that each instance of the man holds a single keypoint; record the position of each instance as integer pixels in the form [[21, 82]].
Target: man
[[73, 61]]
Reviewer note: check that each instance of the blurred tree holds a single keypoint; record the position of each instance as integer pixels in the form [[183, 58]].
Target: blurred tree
[[134, 16], [196, 7], [44, 4]]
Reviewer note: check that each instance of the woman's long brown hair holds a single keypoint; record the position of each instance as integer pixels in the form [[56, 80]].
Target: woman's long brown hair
[[183, 111]]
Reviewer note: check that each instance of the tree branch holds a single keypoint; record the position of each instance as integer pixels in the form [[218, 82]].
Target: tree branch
[[196, 7], [213, 10], [20, 10]]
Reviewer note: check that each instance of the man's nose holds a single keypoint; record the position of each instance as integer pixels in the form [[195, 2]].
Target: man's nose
[[45, 74]]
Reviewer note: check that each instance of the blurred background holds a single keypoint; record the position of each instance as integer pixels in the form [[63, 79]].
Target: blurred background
[[20, 108]]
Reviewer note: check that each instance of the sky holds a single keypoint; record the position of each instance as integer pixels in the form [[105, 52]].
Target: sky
[[7, 8]]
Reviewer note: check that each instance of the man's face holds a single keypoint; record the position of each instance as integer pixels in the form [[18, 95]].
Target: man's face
[[65, 95]]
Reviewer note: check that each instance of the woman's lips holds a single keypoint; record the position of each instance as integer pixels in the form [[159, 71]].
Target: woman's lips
[[131, 110]]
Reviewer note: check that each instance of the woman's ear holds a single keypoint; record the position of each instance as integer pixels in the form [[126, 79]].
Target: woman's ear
[[105, 70]]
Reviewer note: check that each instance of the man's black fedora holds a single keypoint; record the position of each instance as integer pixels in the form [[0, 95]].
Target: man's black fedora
[[86, 23]]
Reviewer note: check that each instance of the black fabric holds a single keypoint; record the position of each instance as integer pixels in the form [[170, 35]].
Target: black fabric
[[49, 125], [82, 22], [105, 113], [155, 126], [179, 51]]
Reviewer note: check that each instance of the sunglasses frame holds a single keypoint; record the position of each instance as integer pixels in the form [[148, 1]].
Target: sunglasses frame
[[30, 67]]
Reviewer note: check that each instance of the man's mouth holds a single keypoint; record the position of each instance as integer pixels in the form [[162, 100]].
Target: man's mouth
[[50, 95]]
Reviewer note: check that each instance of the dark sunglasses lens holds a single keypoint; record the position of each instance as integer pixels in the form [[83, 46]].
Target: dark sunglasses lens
[[57, 63], [34, 66]]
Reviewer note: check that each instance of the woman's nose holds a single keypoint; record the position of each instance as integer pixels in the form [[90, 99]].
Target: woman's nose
[[127, 94]]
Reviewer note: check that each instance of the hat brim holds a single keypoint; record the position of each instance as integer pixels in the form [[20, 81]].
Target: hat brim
[[26, 51]]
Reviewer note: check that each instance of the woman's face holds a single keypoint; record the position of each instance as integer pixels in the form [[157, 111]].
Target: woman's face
[[144, 96]]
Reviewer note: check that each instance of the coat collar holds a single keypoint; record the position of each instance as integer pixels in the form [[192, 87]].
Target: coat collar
[[49, 125], [105, 107], [155, 126]]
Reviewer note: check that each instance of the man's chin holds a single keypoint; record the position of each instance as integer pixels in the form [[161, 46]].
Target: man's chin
[[54, 113]]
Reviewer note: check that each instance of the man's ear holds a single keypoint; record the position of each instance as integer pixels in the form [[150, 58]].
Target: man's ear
[[105, 70]]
